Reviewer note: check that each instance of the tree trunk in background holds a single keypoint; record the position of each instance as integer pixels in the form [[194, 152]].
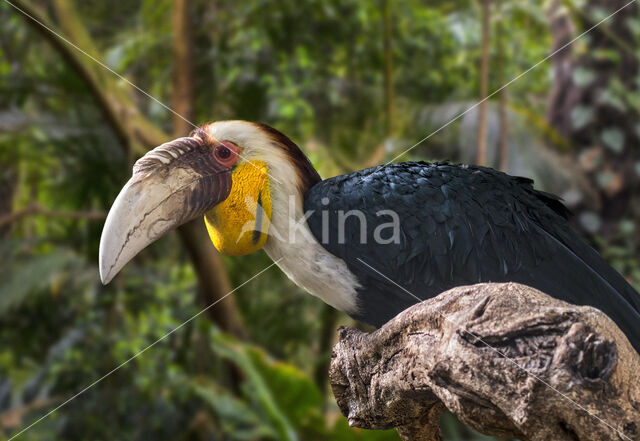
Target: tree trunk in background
[[134, 130], [589, 107], [213, 281], [503, 140], [182, 100], [562, 31], [388, 68], [140, 135], [7, 188], [328, 317], [481, 155]]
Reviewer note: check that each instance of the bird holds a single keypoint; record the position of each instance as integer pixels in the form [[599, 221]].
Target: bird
[[370, 243]]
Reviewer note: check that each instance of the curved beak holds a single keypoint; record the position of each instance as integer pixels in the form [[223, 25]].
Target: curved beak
[[171, 185]]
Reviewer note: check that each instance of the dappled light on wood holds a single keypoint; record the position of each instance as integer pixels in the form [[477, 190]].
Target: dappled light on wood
[[506, 359]]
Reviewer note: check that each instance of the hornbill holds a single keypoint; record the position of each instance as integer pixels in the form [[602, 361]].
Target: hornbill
[[369, 243]]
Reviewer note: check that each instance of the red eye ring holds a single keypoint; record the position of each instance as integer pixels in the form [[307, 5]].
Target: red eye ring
[[226, 153]]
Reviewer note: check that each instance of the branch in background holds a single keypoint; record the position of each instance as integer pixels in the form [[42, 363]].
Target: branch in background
[[73, 59], [466, 350], [139, 133], [37, 209], [135, 132], [503, 140], [13, 418], [142, 133], [8, 183], [328, 318], [182, 100], [604, 28], [212, 277], [481, 154], [213, 281], [562, 30], [388, 68]]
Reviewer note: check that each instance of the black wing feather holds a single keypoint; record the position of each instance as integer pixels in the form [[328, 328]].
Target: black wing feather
[[462, 225]]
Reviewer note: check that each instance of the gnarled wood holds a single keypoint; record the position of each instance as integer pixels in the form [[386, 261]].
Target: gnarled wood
[[506, 359]]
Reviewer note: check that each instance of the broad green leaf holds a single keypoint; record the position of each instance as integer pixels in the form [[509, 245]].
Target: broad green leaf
[[238, 420], [258, 388]]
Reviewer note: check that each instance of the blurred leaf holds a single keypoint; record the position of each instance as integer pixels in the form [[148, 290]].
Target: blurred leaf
[[613, 138], [583, 77], [610, 97], [606, 55], [20, 278], [238, 420], [581, 116], [259, 390]]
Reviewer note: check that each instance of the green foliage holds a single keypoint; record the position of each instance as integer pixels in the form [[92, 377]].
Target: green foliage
[[17, 275], [313, 69], [284, 399]]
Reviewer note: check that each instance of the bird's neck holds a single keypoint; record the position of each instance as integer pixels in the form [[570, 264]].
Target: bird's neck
[[303, 259]]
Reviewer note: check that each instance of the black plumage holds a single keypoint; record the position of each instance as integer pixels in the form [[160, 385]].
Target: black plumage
[[461, 225]]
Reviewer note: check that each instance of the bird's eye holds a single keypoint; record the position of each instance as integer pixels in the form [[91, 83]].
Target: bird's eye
[[223, 152], [226, 154]]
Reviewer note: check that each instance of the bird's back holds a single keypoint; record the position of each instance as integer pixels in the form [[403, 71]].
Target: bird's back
[[459, 225]]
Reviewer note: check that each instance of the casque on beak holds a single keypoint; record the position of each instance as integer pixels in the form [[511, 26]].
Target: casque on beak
[[171, 185]]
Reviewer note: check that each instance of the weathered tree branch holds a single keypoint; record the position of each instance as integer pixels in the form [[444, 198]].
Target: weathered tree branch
[[506, 359]]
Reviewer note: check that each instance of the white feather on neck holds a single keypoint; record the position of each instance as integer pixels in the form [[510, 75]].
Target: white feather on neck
[[304, 260]]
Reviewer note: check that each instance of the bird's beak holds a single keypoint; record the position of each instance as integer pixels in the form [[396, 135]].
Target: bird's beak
[[172, 184]]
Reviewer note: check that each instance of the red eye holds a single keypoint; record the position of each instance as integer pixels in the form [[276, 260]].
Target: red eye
[[226, 153]]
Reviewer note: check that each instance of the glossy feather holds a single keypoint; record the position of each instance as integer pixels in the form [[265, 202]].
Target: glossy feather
[[462, 225]]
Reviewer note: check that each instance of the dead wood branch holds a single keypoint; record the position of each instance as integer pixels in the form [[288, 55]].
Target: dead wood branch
[[506, 359]]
